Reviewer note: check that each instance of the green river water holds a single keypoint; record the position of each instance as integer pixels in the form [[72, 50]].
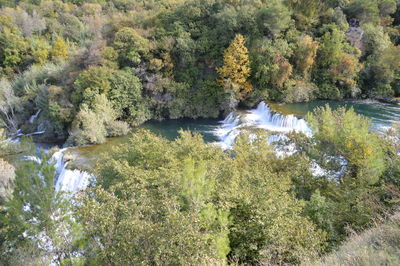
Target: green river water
[[382, 116]]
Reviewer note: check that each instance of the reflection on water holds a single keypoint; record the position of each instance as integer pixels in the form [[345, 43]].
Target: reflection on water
[[381, 114], [86, 156]]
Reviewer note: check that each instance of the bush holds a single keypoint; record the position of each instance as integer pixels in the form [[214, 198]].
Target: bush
[[7, 175], [93, 125], [376, 246], [299, 91]]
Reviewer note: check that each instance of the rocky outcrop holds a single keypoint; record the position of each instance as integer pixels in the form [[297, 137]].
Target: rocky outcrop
[[355, 36]]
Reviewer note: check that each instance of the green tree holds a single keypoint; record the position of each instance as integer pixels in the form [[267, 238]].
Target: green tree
[[337, 134], [182, 187], [271, 68], [36, 219], [173, 219], [40, 51], [337, 67], [93, 124], [305, 54], [13, 46], [275, 18], [266, 216], [91, 82], [126, 96], [7, 175], [382, 73], [131, 47]]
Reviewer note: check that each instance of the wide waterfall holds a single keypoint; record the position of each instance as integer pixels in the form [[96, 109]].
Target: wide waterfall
[[73, 180], [260, 118]]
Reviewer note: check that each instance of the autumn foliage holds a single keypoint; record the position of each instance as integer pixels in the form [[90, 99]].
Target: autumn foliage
[[305, 54], [236, 69]]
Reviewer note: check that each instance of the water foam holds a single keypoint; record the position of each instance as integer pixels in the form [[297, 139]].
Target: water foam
[[68, 180], [260, 118]]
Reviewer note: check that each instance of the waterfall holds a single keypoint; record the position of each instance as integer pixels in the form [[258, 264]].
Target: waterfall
[[68, 180], [263, 117], [33, 117], [260, 118], [278, 125]]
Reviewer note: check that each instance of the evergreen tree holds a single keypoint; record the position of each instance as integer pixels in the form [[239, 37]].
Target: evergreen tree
[[235, 72]]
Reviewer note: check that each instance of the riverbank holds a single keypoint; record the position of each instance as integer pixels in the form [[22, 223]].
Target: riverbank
[[271, 117]]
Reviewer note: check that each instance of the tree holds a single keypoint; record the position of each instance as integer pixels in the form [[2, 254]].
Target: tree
[[182, 204], [59, 50], [305, 54], [382, 72], [93, 124], [130, 46], [91, 82], [7, 175], [37, 222], [234, 73], [337, 66], [40, 51], [307, 12], [9, 105], [271, 67], [126, 96], [13, 46], [344, 133], [265, 216], [274, 19], [370, 10], [173, 219]]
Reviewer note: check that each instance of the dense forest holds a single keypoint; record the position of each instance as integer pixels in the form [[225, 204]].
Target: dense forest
[[79, 71], [184, 202], [95, 68]]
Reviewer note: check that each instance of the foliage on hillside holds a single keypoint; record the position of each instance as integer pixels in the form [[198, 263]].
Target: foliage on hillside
[[185, 202], [193, 58]]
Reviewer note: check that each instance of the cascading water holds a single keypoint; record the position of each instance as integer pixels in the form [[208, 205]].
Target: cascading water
[[68, 180], [33, 117], [260, 118], [278, 125]]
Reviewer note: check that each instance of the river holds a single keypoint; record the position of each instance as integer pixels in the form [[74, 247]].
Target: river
[[73, 165], [278, 118]]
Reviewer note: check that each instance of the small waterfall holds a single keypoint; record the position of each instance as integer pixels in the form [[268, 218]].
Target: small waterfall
[[263, 117], [260, 118], [228, 131], [68, 180], [33, 117]]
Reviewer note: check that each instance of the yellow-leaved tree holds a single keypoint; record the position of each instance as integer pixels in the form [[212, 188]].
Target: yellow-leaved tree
[[236, 69], [59, 50]]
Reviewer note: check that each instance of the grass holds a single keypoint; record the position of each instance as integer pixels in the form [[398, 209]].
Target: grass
[[377, 246]]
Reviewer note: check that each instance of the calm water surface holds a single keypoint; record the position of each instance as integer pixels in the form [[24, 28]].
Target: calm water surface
[[382, 116]]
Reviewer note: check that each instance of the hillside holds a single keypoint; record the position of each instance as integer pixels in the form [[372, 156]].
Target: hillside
[[65, 62], [379, 245]]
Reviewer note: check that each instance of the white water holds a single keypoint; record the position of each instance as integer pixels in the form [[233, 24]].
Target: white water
[[260, 118], [33, 117], [278, 125], [68, 180]]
